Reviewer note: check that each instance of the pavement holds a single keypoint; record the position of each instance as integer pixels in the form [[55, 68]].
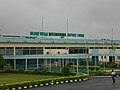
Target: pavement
[[94, 83]]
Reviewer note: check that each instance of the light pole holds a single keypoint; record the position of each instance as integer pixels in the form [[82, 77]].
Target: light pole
[[87, 60], [94, 57], [88, 65], [104, 55], [0, 32]]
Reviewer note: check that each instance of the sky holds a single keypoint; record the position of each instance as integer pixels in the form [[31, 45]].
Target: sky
[[94, 18]]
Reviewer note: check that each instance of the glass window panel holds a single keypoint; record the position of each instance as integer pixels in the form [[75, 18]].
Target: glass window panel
[[33, 48], [19, 52], [25, 52], [75, 51], [9, 47], [47, 47], [40, 48], [2, 50], [18, 47], [53, 47], [39, 51], [25, 47], [9, 52], [32, 52]]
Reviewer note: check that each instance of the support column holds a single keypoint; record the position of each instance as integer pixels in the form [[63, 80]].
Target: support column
[[46, 63], [87, 61], [14, 59], [95, 63], [14, 64], [77, 65], [25, 64], [50, 65], [63, 63], [37, 64]]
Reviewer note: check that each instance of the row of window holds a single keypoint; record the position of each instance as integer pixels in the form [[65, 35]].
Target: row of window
[[55, 47], [83, 47], [78, 50], [7, 51], [21, 50], [39, 50]]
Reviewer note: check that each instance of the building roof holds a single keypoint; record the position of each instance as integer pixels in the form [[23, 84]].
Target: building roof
[[51, 40]]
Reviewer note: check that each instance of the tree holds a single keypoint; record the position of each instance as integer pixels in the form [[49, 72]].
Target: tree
[[2, 62]]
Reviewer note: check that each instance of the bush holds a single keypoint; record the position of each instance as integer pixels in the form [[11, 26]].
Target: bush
[[65, 71], [90, 67], [2, 62], [7, 68], [20, 70]]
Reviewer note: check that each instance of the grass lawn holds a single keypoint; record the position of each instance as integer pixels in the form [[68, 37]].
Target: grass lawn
[[6, 78]]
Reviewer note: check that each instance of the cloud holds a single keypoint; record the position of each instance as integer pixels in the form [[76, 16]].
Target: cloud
[[95, 18]]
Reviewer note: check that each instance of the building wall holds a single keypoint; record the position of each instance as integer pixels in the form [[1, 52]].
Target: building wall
[[103, 54]]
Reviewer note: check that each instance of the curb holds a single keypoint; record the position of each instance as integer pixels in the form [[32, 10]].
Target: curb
[[46, 84]]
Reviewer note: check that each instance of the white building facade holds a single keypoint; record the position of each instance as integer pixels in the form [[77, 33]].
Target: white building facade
[[48, 53]]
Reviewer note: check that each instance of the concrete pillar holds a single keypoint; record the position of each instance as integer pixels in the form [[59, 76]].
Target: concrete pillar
[[14, 59], [50, 65], [46, 62], [77, 65], [14, 64], [25, 64], [14, 51], [37, 63]]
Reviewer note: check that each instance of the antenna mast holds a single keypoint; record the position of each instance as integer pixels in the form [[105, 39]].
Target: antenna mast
[[42, 24], [67, 28], [112, 38]]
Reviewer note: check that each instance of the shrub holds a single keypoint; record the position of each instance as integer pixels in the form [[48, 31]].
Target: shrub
[[65, 71], [2, 62], [7, 68], [90, 67], [20, 70]]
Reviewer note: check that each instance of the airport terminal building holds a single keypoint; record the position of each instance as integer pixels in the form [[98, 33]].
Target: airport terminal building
[[49, 53]]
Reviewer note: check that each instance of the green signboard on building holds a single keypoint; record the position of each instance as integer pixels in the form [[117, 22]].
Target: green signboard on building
[[44, 34], [80, 35], [56, 34], [34, 33]]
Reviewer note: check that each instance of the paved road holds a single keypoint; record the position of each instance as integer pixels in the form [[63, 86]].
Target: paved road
[[95, 83]]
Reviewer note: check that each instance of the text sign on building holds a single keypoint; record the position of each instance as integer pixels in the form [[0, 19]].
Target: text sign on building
[[56, 34]]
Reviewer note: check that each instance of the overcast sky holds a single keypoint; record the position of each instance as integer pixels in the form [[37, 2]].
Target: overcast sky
[[94, 18]]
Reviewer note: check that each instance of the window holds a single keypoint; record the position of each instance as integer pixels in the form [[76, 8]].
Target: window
[[78, 50], [105, 57], [33, 51], [2, 50], [25, 50], [28, 50], [39, 50], [102, 57], [47, 52], [47, 47], [18, 51], [58, 52], [9, 51], [118, 57]]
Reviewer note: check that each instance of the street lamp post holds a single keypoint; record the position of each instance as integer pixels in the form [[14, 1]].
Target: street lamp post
[[88, 65], [87, 60], [94, 57]]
